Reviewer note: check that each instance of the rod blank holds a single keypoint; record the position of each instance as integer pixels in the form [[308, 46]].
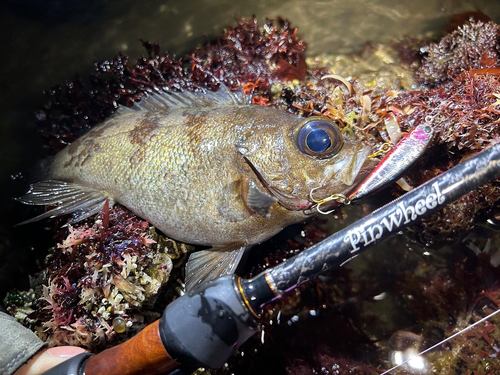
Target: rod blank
[[384, 222]]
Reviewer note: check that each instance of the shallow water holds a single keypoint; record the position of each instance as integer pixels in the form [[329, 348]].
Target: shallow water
[[46, 42]]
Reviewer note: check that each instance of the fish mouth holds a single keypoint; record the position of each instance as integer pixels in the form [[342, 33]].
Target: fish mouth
[[350, 173], [330, 202]]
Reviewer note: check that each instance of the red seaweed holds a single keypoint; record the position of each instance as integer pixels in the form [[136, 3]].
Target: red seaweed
[[474, 45], [91, 278]]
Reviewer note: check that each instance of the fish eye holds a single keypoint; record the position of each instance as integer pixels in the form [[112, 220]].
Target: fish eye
[[319, 137]]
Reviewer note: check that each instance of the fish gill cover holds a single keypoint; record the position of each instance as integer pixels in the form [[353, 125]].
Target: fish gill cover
[[96, 274]]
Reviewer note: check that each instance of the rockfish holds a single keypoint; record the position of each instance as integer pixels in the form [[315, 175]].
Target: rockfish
[[205, 169]]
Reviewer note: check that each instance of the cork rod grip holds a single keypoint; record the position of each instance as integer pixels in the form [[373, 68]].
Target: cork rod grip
[[142, 354]]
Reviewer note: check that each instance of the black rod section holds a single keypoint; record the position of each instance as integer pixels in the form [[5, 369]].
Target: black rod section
[[380, 224]]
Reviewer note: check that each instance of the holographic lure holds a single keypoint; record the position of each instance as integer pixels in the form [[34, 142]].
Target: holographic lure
[[396, 162]]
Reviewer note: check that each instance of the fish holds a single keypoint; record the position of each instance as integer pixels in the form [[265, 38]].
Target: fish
[[396, 162], [205, 168]]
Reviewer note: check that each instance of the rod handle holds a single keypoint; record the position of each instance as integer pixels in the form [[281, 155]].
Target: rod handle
[[142, 354]]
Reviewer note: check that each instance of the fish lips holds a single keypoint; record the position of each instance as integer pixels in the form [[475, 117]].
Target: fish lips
[[364, 171], [350, 173]]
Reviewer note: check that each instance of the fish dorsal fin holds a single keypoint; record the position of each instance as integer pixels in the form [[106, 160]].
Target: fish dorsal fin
[[224, 97]]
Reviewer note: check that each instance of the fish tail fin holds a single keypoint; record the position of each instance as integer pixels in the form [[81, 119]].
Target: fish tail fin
[[67, 197], [206, 265]]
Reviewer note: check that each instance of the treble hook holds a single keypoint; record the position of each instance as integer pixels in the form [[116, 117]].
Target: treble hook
[[340, 198]]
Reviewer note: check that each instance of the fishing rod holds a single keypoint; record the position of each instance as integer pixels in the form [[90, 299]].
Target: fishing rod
[[205, 327]]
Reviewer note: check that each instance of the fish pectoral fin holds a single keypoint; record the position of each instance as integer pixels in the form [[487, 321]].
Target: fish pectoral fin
[[69, 198], [206, 265], [255, 200]]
